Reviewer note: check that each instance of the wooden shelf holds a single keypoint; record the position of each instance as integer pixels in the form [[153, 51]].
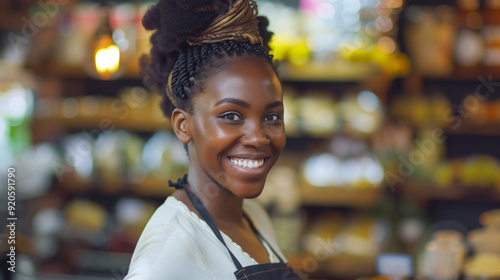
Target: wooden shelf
[[124, 117], [151, 187], [329, 196], [103, 123], [471, 73], [340, 267], [77, 71], [455, 192], [475, 129], [335, 72]]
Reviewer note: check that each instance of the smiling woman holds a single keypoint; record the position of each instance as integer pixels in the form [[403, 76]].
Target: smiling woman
[[224, 99]]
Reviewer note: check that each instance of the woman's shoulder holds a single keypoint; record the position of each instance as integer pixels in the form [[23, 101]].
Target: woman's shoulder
[[170, 244], [167, 227], [172, 216]]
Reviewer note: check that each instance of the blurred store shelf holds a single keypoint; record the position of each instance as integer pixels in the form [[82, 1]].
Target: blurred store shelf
[[362, 198], [341, 267], [62, 70], [150, 187], [321, 71], [105, 122], [111, 113], [469, 73], [94, 265], [469, 128], [78, 111], [452, 192]]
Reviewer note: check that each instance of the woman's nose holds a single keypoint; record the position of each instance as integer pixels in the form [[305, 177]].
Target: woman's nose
[[254, 135]]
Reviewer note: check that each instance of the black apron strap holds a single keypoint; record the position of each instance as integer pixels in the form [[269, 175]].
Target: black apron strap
[[181, 183], [262, 237]]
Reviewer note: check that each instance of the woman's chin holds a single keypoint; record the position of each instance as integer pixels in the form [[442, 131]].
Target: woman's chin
[[248, 191], [251, 195]]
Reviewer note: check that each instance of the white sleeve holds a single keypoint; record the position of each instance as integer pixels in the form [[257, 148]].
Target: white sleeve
[[167, 252]]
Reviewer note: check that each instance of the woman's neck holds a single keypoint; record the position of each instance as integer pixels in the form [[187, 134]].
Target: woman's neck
[[224, 207]]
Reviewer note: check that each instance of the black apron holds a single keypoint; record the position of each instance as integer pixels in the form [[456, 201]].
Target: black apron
[[268, 271]]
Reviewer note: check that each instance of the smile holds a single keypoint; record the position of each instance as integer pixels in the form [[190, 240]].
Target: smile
[[247, 163]]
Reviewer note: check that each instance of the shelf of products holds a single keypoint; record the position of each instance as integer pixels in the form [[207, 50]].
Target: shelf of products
[[140, 114], [149, 187], [338, 197]]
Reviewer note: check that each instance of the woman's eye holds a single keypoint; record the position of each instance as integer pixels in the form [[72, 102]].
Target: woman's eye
[[230, 116], [273, 117]]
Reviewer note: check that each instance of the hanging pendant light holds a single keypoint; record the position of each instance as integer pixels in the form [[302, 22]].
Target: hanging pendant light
[[105, 61]]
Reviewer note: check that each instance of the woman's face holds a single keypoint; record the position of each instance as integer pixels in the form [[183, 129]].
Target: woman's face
[[237, 130]]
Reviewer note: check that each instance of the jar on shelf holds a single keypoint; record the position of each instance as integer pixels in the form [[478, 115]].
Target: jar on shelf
[[444, 255]]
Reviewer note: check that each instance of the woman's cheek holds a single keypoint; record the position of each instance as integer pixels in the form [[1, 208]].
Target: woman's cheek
[[224, 133], [278, 136]]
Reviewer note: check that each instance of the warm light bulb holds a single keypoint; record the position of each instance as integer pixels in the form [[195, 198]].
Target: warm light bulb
[[104, 60], [107, 58]]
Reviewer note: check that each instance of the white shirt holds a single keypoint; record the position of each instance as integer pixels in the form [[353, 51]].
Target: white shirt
[[177, 244]]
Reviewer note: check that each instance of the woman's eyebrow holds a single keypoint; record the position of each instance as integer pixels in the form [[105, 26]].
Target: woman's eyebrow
[[246, 105], [234, 101], [274, 104]]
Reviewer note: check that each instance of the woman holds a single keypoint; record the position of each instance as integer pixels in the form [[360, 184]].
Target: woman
[[224, 99]]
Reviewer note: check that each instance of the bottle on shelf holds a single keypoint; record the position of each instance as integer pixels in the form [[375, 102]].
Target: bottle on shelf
[[430, 39], [470, 45], [444, 255], [484, 264], [491, 33]]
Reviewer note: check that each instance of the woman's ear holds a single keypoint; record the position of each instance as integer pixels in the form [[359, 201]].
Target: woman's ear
[[180, 124]]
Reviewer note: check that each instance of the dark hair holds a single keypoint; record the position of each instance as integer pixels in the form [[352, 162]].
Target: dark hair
[[174, 21]]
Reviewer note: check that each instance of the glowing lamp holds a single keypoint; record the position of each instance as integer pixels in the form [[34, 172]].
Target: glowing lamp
[[106, 58]]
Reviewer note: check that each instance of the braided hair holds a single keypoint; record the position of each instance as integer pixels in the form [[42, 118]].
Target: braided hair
[[174, 21]]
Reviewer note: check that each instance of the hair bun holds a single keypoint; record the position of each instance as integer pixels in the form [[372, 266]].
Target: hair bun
[[219, 6], [266, 35], [178, 18]]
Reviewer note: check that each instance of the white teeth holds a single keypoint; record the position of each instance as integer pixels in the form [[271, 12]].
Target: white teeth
[[250, 164]]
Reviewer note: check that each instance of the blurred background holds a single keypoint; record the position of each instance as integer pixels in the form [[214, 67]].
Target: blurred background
[[392, 121]]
